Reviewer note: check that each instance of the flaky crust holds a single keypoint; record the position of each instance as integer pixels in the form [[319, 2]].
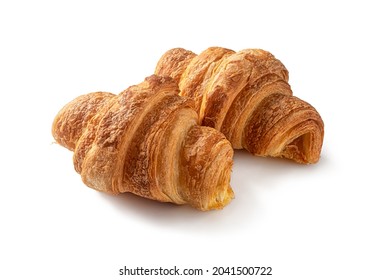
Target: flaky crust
[[246, 96], [147, 141]]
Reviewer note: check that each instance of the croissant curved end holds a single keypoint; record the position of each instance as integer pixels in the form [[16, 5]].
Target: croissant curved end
[[207, 160], [173, 63], [287, 127], [71, 120]]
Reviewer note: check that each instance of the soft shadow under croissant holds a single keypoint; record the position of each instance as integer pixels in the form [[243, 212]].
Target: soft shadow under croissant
[[246, 96], [147, 141]]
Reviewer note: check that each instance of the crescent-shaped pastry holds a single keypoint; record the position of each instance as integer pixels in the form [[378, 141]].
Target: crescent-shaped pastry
[[147, 140], [246, 96]]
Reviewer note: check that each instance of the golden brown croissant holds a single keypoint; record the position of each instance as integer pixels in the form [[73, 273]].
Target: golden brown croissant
[[246, 96], [147, 141]]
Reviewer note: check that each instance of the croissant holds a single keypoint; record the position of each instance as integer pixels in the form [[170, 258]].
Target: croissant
[[246, 96], [147, 140]]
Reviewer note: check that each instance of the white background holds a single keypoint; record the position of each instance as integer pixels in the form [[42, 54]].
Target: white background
[[324, 221]]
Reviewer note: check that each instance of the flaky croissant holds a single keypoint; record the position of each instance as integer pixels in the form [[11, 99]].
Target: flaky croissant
[[147, 141], [246, 96]]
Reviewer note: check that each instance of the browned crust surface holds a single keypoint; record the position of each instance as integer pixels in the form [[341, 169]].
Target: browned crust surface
[[138, 142], [228, 88]]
